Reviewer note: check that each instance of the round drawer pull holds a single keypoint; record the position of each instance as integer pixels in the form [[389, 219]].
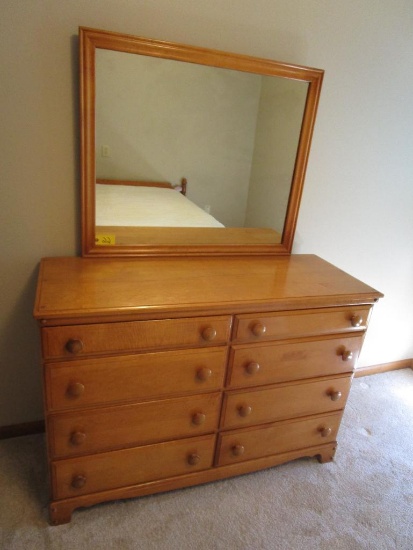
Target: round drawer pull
[[78, 481], [237, 450], [325, 432], [208, 334], [193, 459], [75, 389], [74, 346], [77, 438], [252, 368], [258, 329], [198, 418], [347, 355], [244, 410], [335, 395], [356, 321], [203, 374]]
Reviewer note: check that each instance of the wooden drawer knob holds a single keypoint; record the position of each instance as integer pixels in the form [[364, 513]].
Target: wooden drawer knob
[[77, 438], [193, 459], [325, 432], [244, 410], [198, 418], [208, 334], [335, 395], [75, 389], [78, 481], [258, 329], [347, 355], [356, 321], [252, 368], [203, 374], [237, 450], [74, 346]]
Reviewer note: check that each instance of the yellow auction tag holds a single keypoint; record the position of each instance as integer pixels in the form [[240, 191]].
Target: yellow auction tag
[[105, 240]]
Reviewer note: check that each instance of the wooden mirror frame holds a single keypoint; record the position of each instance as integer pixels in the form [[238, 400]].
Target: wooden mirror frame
[[231, 242]]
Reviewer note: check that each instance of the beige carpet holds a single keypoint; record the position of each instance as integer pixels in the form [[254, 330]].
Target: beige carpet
[[363, 500]]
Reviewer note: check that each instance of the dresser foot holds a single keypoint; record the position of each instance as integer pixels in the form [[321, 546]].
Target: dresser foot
[[327, 455], [60, 513]]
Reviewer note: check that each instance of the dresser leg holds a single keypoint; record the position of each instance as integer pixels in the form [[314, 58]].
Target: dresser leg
[[327, 454], [60, 513]]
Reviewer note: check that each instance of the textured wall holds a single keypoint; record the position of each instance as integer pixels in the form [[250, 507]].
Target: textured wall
[[356, 209]]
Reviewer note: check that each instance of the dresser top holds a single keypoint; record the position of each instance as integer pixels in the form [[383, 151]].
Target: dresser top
[[93, 290]]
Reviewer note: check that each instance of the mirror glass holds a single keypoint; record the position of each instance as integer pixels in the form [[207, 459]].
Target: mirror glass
[[232, 135], [202, 157]]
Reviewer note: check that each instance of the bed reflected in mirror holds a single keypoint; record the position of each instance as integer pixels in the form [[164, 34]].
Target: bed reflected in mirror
[[128, 210]]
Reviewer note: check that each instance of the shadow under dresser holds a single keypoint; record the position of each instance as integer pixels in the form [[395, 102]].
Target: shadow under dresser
[[165, 373]]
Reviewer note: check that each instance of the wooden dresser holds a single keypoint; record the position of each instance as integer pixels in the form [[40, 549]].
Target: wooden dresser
[[166, 373]]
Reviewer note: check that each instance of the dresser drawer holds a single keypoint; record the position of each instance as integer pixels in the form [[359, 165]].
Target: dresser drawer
[[248, 408], [87, 382], [291, 324], [131, 425], [78, 340], [104, 471], [270, 363], [277, 438]]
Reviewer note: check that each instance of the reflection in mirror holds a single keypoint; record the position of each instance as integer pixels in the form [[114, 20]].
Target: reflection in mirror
[[237, 129], [233, 135]]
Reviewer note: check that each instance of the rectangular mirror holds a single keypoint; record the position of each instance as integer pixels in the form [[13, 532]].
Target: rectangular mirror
[[190, 151]]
